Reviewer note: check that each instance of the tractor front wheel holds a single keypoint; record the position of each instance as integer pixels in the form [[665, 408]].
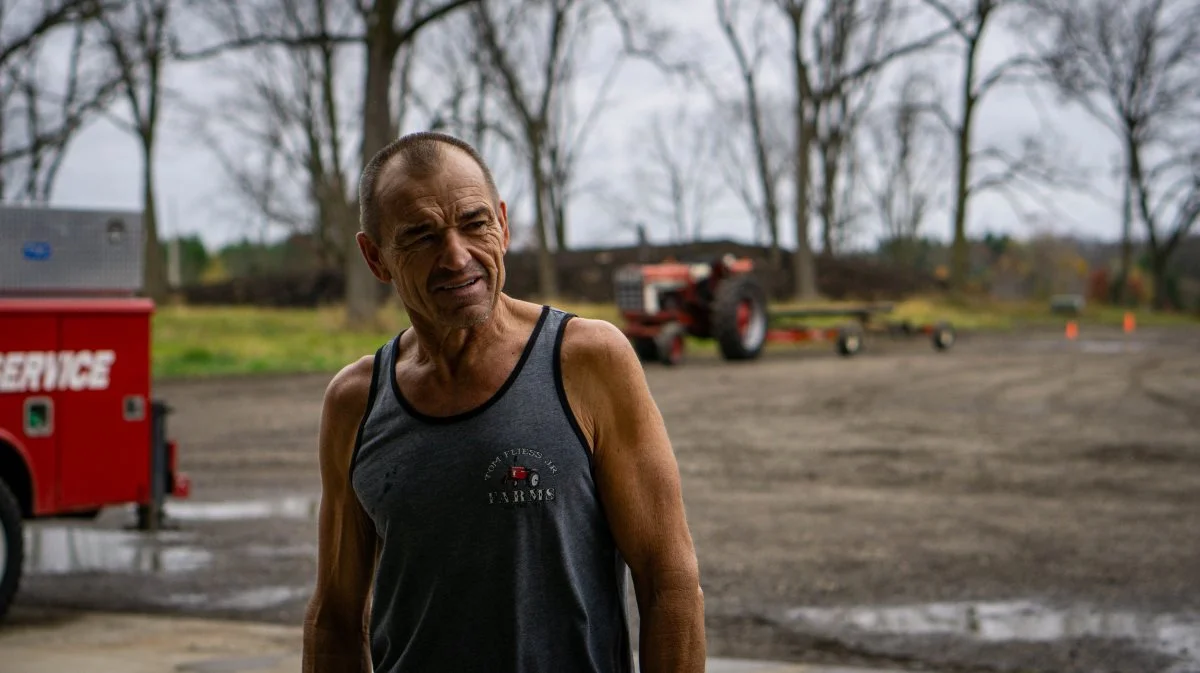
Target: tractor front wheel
[[671, 343], [12, 550], [646, 349], [849, 340], [739, 317], [943, 336]]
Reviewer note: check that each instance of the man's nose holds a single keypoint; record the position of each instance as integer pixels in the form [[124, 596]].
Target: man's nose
[[454, 251]]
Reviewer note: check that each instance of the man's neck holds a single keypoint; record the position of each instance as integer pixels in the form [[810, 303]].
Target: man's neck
[[448, 350]]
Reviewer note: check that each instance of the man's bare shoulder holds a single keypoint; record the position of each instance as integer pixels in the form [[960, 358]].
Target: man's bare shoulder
[[598, 348], [347, 392]]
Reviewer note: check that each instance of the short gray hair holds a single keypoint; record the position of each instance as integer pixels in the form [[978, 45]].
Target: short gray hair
[[421, 154]]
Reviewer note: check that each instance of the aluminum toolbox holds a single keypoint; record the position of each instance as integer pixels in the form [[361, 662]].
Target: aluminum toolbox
[[66, 251]]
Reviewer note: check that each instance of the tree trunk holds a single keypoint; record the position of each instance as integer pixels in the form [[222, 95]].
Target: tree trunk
[[805, 275], [1121, 291], [361, 295], [1158, 266], [547, 278], [829, 165], [960, 257], [803, 264], [154, 273]]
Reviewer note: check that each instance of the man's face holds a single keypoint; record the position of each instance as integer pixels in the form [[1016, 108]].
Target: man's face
[[442, 242]]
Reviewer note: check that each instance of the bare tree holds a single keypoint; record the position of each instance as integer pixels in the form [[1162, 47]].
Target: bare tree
[[532, 52], [823, 74], [381, 28], [971, 21], [909, 155], [24, 27], [138, 41], [39, 113], [847, 34], [290, 114], [737, 159], [677, 183], [749, 58], [1134, 65]]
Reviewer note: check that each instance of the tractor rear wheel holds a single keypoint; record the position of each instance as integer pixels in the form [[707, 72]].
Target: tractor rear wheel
[[12, 550], [739, 317]]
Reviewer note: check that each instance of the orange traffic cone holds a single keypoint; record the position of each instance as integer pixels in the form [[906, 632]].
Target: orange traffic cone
[[1130, 322], [1072, 330]]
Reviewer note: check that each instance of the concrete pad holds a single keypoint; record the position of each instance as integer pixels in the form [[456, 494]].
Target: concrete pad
[[112, 643]]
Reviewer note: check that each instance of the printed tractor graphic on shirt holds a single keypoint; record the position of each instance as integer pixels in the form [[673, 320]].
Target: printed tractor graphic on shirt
[[518, 474]]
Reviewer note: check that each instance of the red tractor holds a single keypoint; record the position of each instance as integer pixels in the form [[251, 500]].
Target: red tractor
[[663, 304]]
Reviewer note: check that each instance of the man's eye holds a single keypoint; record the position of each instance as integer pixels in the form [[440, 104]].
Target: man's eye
[[478, 224]]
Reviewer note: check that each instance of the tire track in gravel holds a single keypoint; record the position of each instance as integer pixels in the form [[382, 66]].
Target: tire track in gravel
[[1190, 408]]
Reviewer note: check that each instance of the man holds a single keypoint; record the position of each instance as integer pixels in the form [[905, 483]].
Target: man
[[487, 473]]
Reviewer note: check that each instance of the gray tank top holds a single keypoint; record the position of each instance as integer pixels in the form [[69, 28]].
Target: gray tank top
[[495, 553]]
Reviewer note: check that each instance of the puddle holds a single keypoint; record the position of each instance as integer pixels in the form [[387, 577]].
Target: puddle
[[238, 665], [295, 507], [1089, 346], [1112, 347], [59, 550], [1173, 635], [251, 599], [274, 552]]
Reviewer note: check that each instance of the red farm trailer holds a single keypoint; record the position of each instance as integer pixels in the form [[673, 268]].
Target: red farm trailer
[[79, 428], [663, 304]]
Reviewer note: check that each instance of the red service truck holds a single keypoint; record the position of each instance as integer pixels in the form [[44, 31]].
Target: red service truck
[[79, 428]]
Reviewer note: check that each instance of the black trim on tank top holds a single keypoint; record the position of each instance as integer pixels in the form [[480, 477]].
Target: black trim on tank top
[[470, 413], [562, 391], [362, 423]]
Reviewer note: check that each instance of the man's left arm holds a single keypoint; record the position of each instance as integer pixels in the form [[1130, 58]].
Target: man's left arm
[[639, 484]]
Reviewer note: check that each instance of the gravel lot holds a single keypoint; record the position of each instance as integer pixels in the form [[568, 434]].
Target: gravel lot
[[1019, 503]]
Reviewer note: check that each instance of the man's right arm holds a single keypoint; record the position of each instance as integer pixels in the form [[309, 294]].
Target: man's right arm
[[335, 626]]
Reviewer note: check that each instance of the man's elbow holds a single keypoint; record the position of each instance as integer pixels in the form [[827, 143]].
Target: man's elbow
[[675, 583], [326, 619]]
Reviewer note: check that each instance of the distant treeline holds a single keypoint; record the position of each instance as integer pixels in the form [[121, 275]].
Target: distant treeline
[[288, 273]]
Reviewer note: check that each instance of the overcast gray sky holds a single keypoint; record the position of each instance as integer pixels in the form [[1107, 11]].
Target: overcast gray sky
[[103, 167]]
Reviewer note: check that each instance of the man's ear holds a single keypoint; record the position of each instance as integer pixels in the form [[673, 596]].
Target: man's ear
[[370, 253], [503, 214]]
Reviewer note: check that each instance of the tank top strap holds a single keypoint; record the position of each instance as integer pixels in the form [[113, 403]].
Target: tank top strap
[[384, 365], [540, 366]]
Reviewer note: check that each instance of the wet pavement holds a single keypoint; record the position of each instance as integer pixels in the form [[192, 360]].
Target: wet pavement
[[1019, 506], [1176, 637], [50, 642], [114, 559]]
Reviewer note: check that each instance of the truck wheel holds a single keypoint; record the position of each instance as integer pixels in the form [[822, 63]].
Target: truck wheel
[[849, 340], [671, 343], [645, 348], [943, 336], [12, 547], [739, 317]]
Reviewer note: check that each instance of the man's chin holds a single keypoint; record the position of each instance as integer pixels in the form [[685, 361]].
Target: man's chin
[[470, 315]]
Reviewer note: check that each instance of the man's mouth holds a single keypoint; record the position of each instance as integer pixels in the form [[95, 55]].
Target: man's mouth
[[459, 286]]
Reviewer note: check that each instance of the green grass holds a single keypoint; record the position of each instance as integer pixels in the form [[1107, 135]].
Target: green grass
[[213, 341], [206, 341]]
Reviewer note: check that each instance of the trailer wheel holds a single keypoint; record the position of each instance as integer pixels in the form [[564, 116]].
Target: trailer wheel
[[671, 342], [12, 549], [739, 317], [849, 340], [646, 349], [943, 336]]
